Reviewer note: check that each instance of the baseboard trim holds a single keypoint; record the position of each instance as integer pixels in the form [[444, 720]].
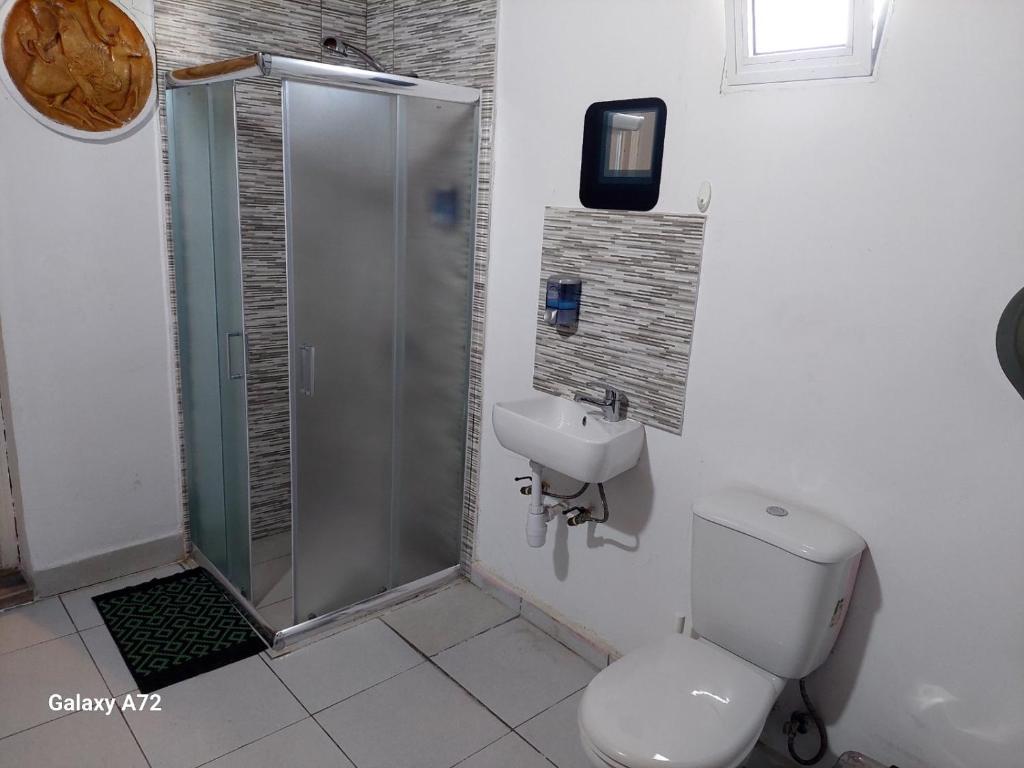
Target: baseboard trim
[[14, 590], [109, 565], [583, 642]]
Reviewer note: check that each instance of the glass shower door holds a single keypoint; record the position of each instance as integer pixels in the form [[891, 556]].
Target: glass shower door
[[439, 141], [204, 198], [340, 169], [380, 197]]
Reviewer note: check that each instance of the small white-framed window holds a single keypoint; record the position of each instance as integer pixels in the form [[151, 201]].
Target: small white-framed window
[[774, 41]]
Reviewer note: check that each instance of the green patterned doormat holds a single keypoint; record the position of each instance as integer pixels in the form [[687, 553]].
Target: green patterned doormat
[[174, 628]]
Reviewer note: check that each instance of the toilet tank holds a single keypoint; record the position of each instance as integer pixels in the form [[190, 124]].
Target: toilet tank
[[771, 582]]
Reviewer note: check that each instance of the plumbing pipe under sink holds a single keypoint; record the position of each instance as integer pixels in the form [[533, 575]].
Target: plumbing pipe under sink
[[538, 518], [543, 509]]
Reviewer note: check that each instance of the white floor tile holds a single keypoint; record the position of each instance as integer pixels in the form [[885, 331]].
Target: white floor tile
[[108, 659], [507, 752], [302, 745], [33, 623], [419, 719], [79, 602], [448, 617], [271, 547], [344, 664], [81, 740], [30, 675], [516, 670], [213, 714], [555, 732]]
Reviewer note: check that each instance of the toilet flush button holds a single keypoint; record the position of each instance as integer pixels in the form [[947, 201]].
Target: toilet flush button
[[777, 511]]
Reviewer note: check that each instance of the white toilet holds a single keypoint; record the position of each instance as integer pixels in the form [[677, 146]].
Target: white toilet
[[770, 589]]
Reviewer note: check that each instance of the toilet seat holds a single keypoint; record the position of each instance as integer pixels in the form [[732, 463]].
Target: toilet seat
[[598, 758], [677, 703]]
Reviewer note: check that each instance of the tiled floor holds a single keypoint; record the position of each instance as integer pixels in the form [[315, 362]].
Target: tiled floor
[[454, 678]]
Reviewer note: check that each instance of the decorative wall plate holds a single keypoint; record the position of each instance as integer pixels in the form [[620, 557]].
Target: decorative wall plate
[[84, 68]]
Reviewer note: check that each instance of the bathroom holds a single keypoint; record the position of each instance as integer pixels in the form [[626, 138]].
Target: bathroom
[[817, 303]]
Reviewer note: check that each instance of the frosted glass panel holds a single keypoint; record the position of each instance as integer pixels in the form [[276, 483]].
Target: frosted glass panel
[[435, 294], [340, 177], [189, 125], [380, 203], [204, 195], [231, 336]]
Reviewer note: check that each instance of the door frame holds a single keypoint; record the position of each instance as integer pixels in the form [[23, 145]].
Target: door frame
[[10, 554], [8, 528]]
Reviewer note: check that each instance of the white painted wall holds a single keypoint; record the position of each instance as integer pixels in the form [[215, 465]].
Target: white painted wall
[[863, 240], [83, 301]]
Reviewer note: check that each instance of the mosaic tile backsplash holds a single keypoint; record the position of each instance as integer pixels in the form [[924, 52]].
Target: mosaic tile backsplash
[[640, 275]]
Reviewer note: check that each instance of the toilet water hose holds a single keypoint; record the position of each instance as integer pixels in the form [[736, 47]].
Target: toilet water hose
[[798, 724]]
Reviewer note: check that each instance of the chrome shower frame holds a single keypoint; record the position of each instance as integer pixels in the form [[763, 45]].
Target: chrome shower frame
[[265, 65], [255, 65]]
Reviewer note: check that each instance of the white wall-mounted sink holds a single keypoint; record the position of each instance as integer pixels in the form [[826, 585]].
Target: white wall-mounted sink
[[568, 437]]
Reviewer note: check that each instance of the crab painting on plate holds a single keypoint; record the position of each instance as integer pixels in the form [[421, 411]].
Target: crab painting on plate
[[85, 64]]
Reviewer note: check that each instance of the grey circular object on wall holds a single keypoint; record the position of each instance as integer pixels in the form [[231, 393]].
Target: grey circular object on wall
[[1010, 341], [704, 197]]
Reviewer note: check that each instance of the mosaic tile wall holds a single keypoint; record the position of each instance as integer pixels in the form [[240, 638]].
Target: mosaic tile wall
[[446, 40], [265, 303], [640, 274], [346, 19], [452, 41]]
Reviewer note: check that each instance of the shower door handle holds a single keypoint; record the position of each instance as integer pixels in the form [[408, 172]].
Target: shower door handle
[[232, 340], [307, 369]]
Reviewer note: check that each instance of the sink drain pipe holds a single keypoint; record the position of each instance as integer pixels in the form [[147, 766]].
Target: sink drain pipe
[[546, 506], [539, 516]]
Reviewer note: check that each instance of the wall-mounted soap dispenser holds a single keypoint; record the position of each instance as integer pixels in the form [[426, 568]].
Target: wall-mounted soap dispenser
[[562, 302]]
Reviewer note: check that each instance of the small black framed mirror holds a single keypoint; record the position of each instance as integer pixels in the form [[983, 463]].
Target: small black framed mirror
[[623, 146], [1010, 341]]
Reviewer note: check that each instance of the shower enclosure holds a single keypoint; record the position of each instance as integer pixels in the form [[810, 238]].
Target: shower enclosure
[[323, 232]]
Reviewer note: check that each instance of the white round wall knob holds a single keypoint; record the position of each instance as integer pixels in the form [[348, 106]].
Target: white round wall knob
[[704, 197]]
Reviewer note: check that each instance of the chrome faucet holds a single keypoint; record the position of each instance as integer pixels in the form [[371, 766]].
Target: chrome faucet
[[613, 406]]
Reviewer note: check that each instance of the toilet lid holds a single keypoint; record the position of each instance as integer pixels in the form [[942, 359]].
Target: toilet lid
[[678, 703]]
